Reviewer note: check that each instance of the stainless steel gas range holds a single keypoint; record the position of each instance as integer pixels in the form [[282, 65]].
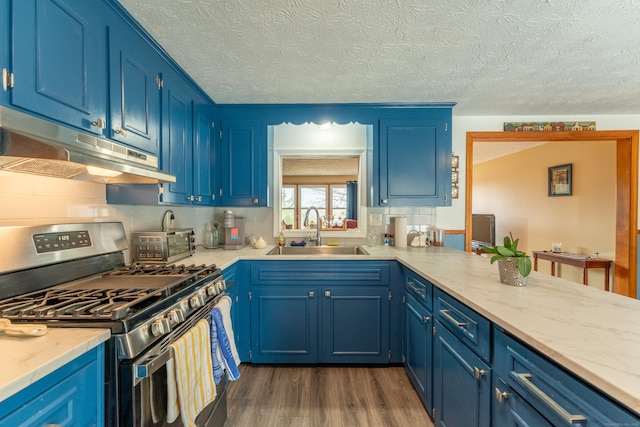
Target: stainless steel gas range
[[74, 275]]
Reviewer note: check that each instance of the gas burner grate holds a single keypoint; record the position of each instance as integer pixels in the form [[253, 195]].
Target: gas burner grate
[[104, 304], [162, 270]]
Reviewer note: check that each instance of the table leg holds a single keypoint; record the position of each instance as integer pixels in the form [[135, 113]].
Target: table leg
[[606, 278], [535, 262], [553, 268], [585, 276]]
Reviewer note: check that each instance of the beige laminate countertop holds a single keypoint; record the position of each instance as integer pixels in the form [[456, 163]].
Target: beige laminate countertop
[[25, 360], [593, 333]]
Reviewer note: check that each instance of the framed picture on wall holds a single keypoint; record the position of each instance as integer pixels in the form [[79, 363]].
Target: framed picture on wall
[[560, 183]]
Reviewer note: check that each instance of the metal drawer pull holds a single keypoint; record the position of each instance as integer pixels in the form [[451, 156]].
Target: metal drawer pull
[[525, 380], [312, 294], [327, 294], [425, 319], [415, 288], [500, 396], [477, 373], [446, 315]]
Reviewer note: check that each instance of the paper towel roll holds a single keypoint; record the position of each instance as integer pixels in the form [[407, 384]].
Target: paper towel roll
[[400, 231]]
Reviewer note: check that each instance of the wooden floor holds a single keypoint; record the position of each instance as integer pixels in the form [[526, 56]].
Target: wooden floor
[[310, 396]]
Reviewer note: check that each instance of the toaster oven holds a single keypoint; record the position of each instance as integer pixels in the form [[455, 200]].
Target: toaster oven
[[163, 246]]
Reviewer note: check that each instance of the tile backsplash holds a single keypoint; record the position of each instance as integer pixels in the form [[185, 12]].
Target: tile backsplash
[[31, 200]]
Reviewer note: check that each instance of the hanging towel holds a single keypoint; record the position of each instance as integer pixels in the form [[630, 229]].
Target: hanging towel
[[192, 375], [218, 369], [225, 343]]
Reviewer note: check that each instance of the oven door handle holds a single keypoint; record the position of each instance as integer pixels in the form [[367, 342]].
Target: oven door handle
[[151, 365]]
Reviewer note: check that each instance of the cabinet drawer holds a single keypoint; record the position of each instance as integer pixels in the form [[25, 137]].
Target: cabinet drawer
[[419, 288], [293, 272], [470, 327], [557, 395]]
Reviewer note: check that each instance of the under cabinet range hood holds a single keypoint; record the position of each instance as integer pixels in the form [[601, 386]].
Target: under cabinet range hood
[[32, 145]]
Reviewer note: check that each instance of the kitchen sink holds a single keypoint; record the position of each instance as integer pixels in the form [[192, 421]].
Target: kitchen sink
[[318, 250]]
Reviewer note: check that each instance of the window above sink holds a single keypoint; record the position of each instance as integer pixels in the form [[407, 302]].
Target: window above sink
[[322, 165]]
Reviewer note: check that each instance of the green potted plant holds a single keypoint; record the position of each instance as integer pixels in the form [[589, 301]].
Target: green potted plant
[[513, 265]]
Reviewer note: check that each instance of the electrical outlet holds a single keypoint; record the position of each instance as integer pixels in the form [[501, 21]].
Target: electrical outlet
[[375, 220]]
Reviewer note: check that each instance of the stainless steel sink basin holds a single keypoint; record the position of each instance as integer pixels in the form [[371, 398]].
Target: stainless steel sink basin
[[318, 250]]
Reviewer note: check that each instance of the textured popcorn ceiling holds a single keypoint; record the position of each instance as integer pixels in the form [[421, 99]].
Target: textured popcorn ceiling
[[492, 57]]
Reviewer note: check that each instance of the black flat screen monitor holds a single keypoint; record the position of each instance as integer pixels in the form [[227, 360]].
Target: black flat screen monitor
[[483, 230]]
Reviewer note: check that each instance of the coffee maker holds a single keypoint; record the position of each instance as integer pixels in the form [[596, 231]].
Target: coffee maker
[[233, 231]]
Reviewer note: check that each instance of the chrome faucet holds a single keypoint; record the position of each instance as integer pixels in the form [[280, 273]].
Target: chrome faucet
[[318, 224]]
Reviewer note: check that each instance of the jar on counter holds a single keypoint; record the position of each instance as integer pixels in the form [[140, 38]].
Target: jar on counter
[[392, 240]]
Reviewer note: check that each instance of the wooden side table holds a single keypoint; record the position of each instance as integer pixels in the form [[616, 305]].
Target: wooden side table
[[577, 260]]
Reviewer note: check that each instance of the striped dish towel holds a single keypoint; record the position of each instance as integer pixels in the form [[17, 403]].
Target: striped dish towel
[[224, 346], [192, 377]]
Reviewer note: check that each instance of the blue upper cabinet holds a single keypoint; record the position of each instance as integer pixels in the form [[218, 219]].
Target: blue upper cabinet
[[134, 68], [206, 170], [5, 25], [59, 61], [243, 163], [177, 137], [187, 143], [414, 163]]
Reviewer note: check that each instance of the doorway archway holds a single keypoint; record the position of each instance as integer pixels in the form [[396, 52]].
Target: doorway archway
[[625, 265]]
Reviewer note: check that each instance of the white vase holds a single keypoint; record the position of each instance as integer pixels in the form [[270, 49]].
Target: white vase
[[509, 274]]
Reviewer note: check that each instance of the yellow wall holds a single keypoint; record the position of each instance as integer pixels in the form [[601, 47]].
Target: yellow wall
[[515, 189]]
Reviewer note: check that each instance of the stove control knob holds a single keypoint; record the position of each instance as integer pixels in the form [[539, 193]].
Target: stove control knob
[[196, 301], [160, 327], [211, 289], [175, 316], [222, 285]]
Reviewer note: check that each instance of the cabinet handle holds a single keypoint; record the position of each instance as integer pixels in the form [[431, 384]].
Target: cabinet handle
[[500, 396], [477, 373], [121, 132], [191, 198], [525, 380], [327, 294], [415, 288], [99, 123], [199, 198], [255, 201], [425, 319], [312, 294], [446, 315], [383, 201]]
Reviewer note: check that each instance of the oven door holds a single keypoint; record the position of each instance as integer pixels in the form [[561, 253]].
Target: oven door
[[143, 397]]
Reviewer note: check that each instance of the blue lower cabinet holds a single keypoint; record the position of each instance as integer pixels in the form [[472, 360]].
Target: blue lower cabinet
[[355, 325], [73, 395], [462, 383], [322, 312], [418, 350], [284, 325], [529, 389]]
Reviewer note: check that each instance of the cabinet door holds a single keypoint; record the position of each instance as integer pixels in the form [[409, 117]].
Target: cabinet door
[[134, 92], [284, 325], [72, 395], [355, 325], [177, 139], [59, 61], [5, 27], [205, 178], [419, 350], [243, 162], [461, 386], [414, 163]]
